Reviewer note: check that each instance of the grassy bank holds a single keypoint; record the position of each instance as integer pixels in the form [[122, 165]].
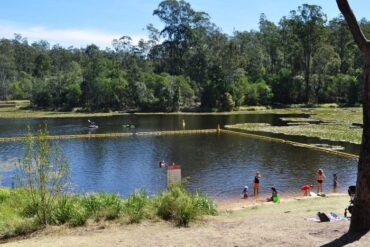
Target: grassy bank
[[254, 224], [336, 124], [18, 214]]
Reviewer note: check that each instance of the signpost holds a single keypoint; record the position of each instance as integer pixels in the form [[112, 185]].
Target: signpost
[[173, 175]]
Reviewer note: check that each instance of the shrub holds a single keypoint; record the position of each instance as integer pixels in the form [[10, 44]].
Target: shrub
[[4, 195], [112, 206], [92, 203], [108, 206], [65, 208], [175, 204], [43, 173], [180, 206], [79, 216], [135, 206], [204, 205]]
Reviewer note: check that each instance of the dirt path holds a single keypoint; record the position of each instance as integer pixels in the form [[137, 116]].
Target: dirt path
[[256, 225]]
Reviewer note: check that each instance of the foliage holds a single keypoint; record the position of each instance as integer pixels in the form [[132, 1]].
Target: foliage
[[190, 63], [136, 205], [178, 205], [43, 173]]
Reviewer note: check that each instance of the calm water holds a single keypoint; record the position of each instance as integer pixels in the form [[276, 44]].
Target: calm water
[[217, 165]]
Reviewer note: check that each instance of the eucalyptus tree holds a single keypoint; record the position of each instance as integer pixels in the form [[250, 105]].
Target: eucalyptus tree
[[7, 68], [341, 38], [181, 23], [325, 64], [308, 24], [271, 41], [361, 214]]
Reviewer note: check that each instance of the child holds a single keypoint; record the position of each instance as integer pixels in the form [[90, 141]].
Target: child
[[245, 192], [274, 194], [306, 189], [320, 176], [256, 183]]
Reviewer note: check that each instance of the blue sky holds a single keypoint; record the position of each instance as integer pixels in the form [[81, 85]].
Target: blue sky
[[82, 22]]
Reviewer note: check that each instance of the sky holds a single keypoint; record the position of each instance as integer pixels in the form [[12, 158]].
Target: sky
[[82, 22]]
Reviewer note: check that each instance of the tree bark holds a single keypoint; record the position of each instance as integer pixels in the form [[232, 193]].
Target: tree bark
[[360, 220]]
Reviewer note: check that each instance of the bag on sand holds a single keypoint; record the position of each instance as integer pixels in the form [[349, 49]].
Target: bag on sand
[[323, 217]]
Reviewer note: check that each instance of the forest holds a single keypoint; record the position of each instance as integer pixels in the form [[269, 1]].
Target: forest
[[191, 65]]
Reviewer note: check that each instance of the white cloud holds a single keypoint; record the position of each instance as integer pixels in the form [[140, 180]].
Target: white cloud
[[65, 37]]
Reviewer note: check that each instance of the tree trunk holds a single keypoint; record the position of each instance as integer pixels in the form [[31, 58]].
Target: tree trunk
[[360, 221]]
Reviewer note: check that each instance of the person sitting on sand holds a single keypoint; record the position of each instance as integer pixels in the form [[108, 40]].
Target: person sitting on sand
[[274, 194], [306, 189], [245, 192], [256, 184], [320, 176]]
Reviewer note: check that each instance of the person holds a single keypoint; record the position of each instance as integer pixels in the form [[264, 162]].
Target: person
[[274, 194], [245, 192], [162, 164], [256, 184], [320, 176], [306, 189], [335, 182]]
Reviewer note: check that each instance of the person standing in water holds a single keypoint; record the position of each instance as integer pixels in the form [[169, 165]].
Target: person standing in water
[[256, 184], [335, 182], [320, 176]]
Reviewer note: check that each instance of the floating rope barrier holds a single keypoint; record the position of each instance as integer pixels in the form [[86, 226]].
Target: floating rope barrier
[[109, 135], [187, 132]]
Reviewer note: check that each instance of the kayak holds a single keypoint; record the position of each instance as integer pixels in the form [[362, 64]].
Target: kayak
[[128, 126]]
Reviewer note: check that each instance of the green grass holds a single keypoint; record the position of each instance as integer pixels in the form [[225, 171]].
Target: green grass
[[17, 214]]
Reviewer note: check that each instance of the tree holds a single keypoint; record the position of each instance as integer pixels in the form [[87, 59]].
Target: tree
[[43, 172], [360, 220], [181, 23], [325, 63], [308, 26]]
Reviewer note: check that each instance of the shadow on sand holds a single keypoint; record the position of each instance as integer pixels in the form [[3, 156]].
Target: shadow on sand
[[345, 239]]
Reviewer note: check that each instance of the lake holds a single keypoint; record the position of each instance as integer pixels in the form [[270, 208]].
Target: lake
[[218, 165]]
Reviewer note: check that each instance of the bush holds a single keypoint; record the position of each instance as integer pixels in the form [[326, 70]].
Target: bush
[[103, 205], [4, 195], [178, 205], [20, 227], [204, 205], [65, 209], [112, 206], [79, 216], [135, 206], [92, 203]]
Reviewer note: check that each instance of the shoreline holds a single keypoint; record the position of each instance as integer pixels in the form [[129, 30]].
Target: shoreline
[[240, 203]]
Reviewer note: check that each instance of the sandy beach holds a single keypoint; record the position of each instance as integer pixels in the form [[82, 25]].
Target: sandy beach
[[239, 223]]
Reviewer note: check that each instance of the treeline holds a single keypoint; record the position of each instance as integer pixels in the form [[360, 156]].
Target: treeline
[[191, 64]]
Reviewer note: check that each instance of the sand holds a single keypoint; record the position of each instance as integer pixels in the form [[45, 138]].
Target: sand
[[239, 223]]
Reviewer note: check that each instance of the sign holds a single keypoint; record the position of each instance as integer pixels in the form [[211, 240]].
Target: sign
[[173, 175]]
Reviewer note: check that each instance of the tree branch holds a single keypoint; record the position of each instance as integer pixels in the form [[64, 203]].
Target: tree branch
[[354, 27]]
